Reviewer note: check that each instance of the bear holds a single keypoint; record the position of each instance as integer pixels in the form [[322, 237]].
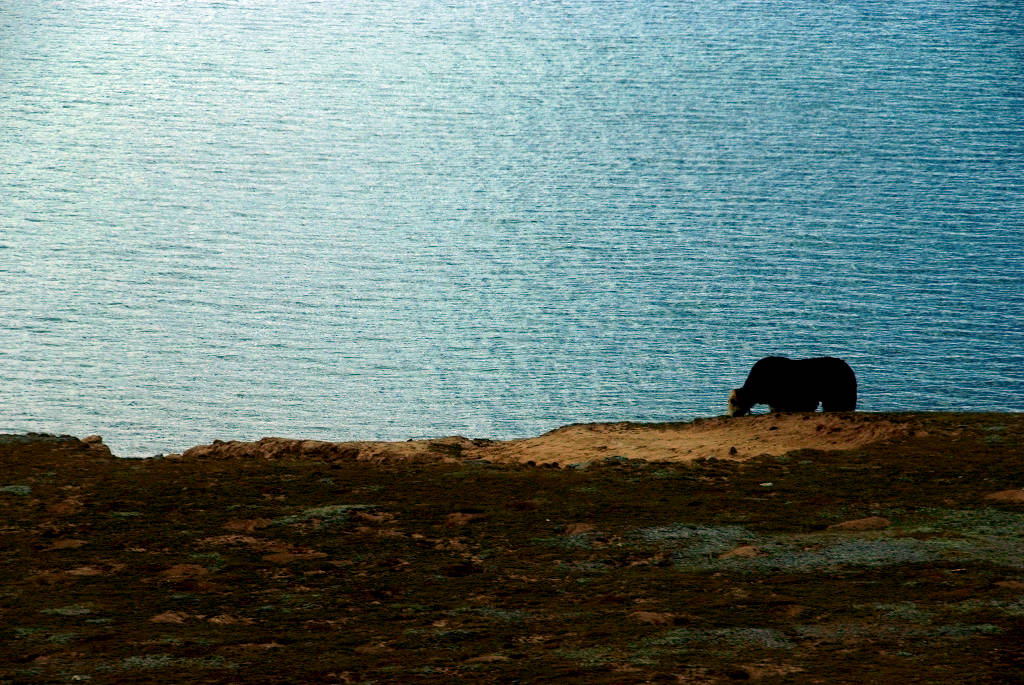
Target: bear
[[793, 385]]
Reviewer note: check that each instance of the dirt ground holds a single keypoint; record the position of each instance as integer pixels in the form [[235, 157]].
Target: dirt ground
[[721, 437], [804, 548]]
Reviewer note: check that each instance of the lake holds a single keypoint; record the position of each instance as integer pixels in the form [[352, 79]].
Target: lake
[[399, 219]]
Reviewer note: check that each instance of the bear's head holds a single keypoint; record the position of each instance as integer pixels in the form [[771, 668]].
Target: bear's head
[[738, 402]]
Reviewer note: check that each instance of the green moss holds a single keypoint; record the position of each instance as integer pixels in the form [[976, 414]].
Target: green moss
[[62, 638], [587, 657], [70, 610], [327, 515], [153, 662], [765, 638]]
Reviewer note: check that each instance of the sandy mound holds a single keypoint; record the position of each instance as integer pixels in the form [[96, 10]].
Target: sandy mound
[[721, 437]]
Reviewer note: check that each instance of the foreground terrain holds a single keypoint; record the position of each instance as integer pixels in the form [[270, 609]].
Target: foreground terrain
[[895, 557]]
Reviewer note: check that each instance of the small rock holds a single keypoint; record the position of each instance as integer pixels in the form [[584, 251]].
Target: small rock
[[184, 572], [792, 611], [460, 518], [254, 542], [654, 618], [659, 559], [742, 552], [288, 557], [1012, 496], [487, 658], [870, 523], [229, 620], [65, 543], [374, 518], [95, 443], [579, 528], [760, 671], [247, 525], [373, 648], [169, 617], [71, 505]]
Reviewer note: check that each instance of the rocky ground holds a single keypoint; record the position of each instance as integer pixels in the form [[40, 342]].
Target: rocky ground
[[874, 548]]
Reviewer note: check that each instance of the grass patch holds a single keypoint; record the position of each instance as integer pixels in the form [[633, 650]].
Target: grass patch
[[70, 610], [729, 639], [326, 515], [155, 662]]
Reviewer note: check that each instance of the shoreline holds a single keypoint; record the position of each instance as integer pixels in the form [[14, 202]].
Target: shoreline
[[720, 437]]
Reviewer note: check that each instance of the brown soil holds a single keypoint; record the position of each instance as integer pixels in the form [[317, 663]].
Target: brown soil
[[804, 548], [722, 437]]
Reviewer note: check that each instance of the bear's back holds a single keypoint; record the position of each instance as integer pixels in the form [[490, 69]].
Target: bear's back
[[800, 384]]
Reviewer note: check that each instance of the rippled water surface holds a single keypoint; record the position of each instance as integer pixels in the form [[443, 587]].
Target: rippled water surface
[[396, 219]]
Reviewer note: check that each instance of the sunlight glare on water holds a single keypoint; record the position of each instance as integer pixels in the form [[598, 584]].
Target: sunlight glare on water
[[401, 219]]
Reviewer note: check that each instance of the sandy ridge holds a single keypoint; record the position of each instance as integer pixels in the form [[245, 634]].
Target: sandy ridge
[[721, 437]]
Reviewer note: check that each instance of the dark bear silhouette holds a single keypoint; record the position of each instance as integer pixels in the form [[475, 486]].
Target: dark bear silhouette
[[797, 385]]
